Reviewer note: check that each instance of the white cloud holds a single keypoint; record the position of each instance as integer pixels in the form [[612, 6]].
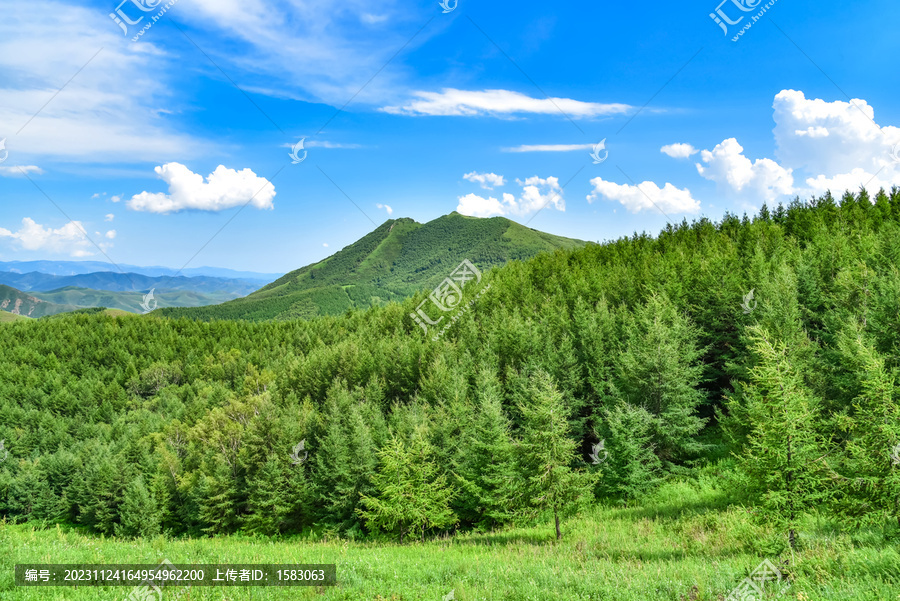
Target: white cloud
[[325, 244], [103, 114], [309, 50], [387, 208], [109, 217], [536, 194], [763, 179], [16, 170], [488, 181], [830, 138], [70, 239], [116, 198], [646, 196], [111, 234], [837, 146], [371, 19], [327, 144], [548, 148], [471, 103], [225, 188], [679, 151]]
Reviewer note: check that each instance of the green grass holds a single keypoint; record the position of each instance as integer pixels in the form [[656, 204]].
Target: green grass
[[6, 316], [685, 537]]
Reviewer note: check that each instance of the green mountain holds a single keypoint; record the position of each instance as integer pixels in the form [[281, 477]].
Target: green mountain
[[7, 317], [128, 300], [396, 260], [19, 303]]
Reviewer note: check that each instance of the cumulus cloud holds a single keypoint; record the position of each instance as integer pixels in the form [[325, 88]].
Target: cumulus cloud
[[70, 239], [763, 179], [679, 151], [387, 208], [536, 193], [836, 146], [488, 181], [111, 234], [109, 217], [223, 189], [548, 148], [646, 196], [472, 103]]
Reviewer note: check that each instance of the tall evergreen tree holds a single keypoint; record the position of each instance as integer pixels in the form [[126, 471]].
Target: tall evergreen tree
[[546, 454], [872, 483], [781, 464], [412, 493]]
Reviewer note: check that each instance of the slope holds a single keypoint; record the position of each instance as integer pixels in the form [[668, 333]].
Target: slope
[[20, 303], [391, 263]]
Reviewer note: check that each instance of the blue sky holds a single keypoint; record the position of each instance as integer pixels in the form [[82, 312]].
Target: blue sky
[[439, 108]]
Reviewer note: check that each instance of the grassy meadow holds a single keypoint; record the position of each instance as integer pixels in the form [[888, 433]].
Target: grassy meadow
[[686, 542]]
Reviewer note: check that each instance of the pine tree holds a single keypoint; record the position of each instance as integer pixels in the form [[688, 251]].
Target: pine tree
[[660, 370], [631, 467], [546, 453], [412, 493], [138, 514], [781, 463], [486, 474], [872, 483]]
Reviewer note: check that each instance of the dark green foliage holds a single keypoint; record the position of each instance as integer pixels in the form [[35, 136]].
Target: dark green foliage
[[643, 339], [412, 496], [546, 455]]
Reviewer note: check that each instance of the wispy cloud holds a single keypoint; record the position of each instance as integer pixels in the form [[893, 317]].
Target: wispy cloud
[[16, 170], [548, 148], [473, 103], [488, 181]]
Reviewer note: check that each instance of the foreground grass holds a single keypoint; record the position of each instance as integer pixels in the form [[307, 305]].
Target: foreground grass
[[683, 544]]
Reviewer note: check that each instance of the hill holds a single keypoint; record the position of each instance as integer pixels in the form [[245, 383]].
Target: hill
[[7, 317], [224, 288], [19, 303], [396, 260], [64, 268], [129, 301]]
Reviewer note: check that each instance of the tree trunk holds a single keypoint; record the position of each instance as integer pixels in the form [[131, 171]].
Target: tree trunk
[[556, 517]]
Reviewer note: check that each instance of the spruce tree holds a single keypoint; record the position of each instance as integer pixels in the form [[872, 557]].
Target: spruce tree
[[546, 454], [486, 474], [412, 493], [137, 514], [872, 482], [781, 464]]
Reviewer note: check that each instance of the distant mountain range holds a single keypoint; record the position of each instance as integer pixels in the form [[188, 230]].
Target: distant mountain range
[[124, 282], [395, 261], [63, 268], [39, 293]]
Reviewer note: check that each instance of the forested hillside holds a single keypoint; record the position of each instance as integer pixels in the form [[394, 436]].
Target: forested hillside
[[391, 263], [592, 373]]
